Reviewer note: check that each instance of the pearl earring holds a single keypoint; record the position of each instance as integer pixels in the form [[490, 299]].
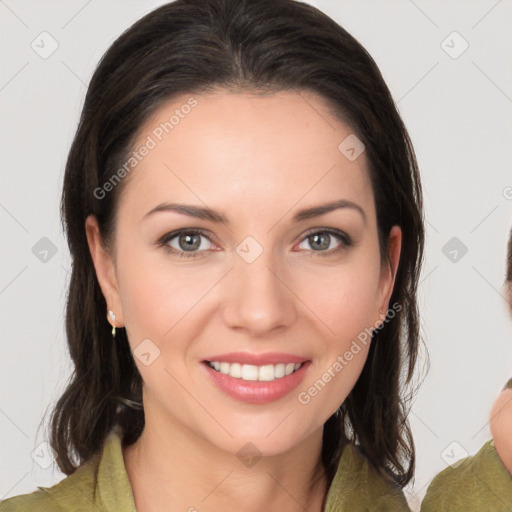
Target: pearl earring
[[111, 313]]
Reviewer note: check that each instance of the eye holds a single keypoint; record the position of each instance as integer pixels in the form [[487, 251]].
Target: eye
[[189, 244], [321, 239]]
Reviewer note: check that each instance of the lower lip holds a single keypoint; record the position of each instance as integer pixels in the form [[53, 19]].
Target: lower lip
[[255, 391]]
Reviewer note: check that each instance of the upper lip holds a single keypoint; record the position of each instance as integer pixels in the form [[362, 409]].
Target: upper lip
[[257, 359]]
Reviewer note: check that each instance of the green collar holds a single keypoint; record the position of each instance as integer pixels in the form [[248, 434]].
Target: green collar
[[356, 484]]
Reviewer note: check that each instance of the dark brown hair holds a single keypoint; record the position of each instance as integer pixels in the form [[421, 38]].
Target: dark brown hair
[[255, 46]]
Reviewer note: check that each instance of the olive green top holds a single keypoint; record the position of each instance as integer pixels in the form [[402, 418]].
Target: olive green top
[[476, 483], [102, 484], [479, 482]]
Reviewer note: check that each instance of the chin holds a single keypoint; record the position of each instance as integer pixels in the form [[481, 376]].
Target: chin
[[262, 440]]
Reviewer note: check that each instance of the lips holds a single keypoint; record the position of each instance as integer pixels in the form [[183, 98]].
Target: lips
[[250, 385]]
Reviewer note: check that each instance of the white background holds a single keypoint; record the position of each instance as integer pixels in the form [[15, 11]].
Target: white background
[[459, 114]]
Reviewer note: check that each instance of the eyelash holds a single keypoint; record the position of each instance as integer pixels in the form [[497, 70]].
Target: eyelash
[[346, 241]]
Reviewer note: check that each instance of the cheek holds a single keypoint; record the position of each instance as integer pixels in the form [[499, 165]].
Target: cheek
[[344, 299], [162, 304], [158, 295]]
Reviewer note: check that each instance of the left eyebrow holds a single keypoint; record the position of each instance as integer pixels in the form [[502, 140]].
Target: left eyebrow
[[214, 216], [316, 211]]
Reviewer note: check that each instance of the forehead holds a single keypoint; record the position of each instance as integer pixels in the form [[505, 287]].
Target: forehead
[[256, 152]]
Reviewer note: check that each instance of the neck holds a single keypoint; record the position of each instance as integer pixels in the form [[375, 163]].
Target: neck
[[170, 468]]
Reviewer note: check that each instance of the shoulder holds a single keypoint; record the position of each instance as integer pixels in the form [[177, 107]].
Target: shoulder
[[74, 492], [37, 500], [357, 485], [100, 484], [478, 482]]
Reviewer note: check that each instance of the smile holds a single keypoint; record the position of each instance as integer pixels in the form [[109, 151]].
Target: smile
[[256, 384], [267, 373]]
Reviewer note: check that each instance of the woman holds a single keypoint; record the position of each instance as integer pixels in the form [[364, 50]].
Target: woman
[[243, 205]]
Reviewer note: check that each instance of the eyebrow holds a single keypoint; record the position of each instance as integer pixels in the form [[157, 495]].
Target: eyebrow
[[214, 216]]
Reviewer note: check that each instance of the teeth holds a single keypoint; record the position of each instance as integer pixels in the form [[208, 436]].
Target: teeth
[[251, 372], [235, 370], [279, 371]]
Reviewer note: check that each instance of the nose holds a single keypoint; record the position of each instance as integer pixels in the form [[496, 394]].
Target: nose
[[261, 298]]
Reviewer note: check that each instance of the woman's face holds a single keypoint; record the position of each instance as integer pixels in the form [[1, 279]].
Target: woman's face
[[266, 286]]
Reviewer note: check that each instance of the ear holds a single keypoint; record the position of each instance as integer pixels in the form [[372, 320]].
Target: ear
[[105, 270], [388, 271]]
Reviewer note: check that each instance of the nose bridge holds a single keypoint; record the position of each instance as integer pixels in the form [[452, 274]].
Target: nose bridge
[[260, 300]]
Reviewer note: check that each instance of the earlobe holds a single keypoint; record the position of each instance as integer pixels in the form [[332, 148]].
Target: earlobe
[[104, 268]]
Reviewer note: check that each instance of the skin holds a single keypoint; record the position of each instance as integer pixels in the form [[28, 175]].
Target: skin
[[501, 412], [257, 160], [501, 427]]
